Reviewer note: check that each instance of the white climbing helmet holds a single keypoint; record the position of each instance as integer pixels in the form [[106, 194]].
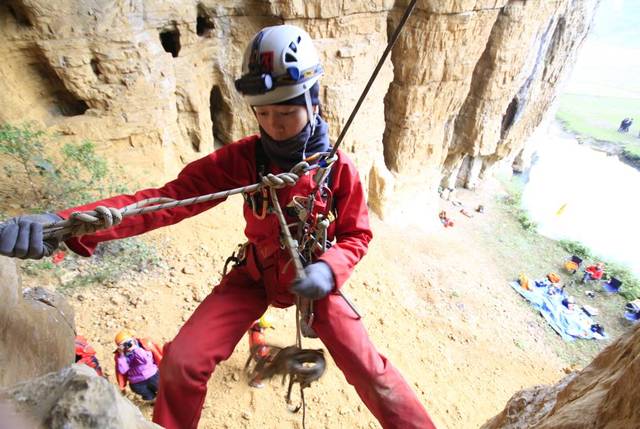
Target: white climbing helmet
[[280, 63]]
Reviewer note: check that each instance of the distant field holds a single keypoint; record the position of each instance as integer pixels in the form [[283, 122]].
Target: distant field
[[599, 118]]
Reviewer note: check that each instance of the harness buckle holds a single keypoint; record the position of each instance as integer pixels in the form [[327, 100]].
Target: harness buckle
[[238, 257]]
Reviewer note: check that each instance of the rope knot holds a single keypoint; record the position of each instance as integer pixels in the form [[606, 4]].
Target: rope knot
[[91, 221], [281, 180]]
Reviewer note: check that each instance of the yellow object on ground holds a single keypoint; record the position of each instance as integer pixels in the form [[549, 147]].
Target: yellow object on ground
[[561, 209], [571, 266], [553, 278], [524, 281]]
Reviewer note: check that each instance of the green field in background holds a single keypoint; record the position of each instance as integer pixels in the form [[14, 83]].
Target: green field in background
[[599, 118]]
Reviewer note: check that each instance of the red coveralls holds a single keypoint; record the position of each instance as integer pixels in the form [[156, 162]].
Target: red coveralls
[[243, 295]]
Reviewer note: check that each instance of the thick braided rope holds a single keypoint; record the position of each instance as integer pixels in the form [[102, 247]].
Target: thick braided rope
[[80, 223]]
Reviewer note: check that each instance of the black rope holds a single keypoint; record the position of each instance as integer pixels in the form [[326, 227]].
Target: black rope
[[394, 37]]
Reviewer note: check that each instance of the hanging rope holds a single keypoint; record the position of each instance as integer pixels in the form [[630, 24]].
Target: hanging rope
[[374, 75], [87, 222], [323, 172]]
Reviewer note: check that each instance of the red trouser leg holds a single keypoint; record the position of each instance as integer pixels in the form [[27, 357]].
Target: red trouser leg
[[379, 384], [207, 338]]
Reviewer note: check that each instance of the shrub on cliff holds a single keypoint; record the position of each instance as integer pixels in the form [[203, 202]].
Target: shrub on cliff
[[42, 175]]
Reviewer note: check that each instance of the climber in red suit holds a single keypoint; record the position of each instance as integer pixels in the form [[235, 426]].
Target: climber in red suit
[[281, 69]]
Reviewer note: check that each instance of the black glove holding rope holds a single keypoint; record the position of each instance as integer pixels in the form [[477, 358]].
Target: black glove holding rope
[[21, 237]]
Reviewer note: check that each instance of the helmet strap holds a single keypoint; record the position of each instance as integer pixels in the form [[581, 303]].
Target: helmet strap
[[311, 114]]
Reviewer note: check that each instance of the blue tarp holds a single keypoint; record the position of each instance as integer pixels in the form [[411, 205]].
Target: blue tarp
[[547, 299]]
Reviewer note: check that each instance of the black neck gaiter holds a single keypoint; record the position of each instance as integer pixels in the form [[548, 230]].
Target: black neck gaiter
[[287, 153]]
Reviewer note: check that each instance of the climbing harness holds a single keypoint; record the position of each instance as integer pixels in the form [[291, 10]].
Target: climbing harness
[[302, 366]]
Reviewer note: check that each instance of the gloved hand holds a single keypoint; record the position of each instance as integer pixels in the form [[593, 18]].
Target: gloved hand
[[21, 237], [318, 282], [280, 181]]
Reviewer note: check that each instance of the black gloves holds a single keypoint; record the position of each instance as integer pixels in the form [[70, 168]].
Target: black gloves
[[21, 237], [318, 283]]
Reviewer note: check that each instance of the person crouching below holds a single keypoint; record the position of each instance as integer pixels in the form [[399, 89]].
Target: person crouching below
[[137, 362]]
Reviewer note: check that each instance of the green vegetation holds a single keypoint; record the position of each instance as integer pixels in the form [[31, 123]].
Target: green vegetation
[[112, 261], [576, 248], [630, 283], [598, 118], [632, 151], [513, 203], [42, 175]]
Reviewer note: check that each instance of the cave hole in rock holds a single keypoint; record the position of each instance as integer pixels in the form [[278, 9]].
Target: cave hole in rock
[[204, 24], [63, 102], [95, 68], [170, 40], [18, 14], [221, 116], [509, 117]]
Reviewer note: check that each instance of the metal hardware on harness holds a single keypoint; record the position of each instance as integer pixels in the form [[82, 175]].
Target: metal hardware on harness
[[304, 307], [259, 202], [303, 366], [237, 259]]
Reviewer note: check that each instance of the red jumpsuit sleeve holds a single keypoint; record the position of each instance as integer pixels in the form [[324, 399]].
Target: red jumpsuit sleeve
[[229, 167], [352, 231]]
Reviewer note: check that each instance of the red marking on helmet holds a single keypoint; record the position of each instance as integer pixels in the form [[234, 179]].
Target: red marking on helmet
[[266, 61]]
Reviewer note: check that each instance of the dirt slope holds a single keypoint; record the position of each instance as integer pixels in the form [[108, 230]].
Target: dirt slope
[[435, 301]]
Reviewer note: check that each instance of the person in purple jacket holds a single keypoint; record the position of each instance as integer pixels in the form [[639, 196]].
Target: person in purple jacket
[[137, 362]]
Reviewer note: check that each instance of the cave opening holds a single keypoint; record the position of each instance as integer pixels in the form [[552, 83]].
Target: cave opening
[[170, 40], [18, 14], [63, 101], [221, 117], [95, 68], [509, 117], [204, 24]]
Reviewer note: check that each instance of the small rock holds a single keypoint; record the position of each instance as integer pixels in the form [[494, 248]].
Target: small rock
[[80, 298], [246, 415], [187, 270], [235, 377]]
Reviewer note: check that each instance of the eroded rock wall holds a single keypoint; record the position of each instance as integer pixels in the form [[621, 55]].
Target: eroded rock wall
[[603, 395], [36, 329], [152, 81], [74, 397]]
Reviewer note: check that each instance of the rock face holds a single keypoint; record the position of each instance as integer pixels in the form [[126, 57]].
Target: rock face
[[36, 329], [603, 395], [74, 397], [152, 81]]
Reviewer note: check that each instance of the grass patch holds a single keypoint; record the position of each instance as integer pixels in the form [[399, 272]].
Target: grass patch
[[113, 261], [513, 203], [576, 248], [632, 151], [599, 117]]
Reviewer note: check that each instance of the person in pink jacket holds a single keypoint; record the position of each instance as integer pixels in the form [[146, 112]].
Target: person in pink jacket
[[136, 364]]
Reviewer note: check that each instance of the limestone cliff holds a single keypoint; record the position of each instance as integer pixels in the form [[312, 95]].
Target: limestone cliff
[[152, 81], [603, 395]]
